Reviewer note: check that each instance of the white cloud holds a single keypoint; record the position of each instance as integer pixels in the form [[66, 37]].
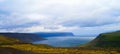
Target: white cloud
[[35, 16], [59, 15], [93, 31], [57, 28]]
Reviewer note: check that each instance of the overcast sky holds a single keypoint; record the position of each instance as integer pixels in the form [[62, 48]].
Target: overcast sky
[[82, 17]]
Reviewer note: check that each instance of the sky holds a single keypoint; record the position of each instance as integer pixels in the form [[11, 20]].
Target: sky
[[82, 17]]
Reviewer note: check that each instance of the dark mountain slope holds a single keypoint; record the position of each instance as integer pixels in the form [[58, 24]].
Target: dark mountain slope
[[111, 39], [27, 37], [54, 34]]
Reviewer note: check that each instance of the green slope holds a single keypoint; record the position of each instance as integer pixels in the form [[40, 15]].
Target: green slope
[[14, 46], [111, 39], [27, 37], [6, 40]]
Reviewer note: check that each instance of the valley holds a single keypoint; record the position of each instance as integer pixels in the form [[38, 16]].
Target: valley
[[107, 43]]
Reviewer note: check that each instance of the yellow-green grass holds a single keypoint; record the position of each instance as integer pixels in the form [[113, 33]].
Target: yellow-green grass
[[7, 40], [45, 49]]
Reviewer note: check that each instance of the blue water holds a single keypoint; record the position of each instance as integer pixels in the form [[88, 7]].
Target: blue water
[[65, 41]]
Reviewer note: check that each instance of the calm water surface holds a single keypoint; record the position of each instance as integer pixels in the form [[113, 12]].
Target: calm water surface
[[65, 41]]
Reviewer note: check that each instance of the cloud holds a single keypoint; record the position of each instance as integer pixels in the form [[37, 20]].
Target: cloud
[[55, 28], [97, 29], [13, 21], [58, 15]]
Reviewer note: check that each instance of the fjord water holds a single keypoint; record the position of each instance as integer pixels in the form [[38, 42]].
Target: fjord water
[[68, 41]]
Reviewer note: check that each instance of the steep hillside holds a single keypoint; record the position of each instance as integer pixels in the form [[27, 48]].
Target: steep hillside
[[54, 34], [111, 39], [27, 37]]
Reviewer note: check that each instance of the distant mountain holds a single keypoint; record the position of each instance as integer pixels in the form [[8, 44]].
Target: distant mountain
[[27, 37], [54, 34], [111, 39]]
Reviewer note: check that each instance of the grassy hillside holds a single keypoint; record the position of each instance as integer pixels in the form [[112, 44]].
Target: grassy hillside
[[111, 39], [7, 40], [45, 49], [27, 37]]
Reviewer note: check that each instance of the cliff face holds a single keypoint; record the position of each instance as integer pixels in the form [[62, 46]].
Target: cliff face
[[27, 37], [111, 39], [54, 34]]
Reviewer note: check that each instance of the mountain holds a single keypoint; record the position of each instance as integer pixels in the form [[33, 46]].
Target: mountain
[[27, 37], [54, 34], [111, 39]]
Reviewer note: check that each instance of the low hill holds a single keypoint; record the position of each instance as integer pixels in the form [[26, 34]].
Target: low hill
[[27, 37], [111, 39], [6, 40], [14, 46], [54, 34]]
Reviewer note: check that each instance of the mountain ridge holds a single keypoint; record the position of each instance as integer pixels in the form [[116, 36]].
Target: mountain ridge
[[27, 37], [54, 34]]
